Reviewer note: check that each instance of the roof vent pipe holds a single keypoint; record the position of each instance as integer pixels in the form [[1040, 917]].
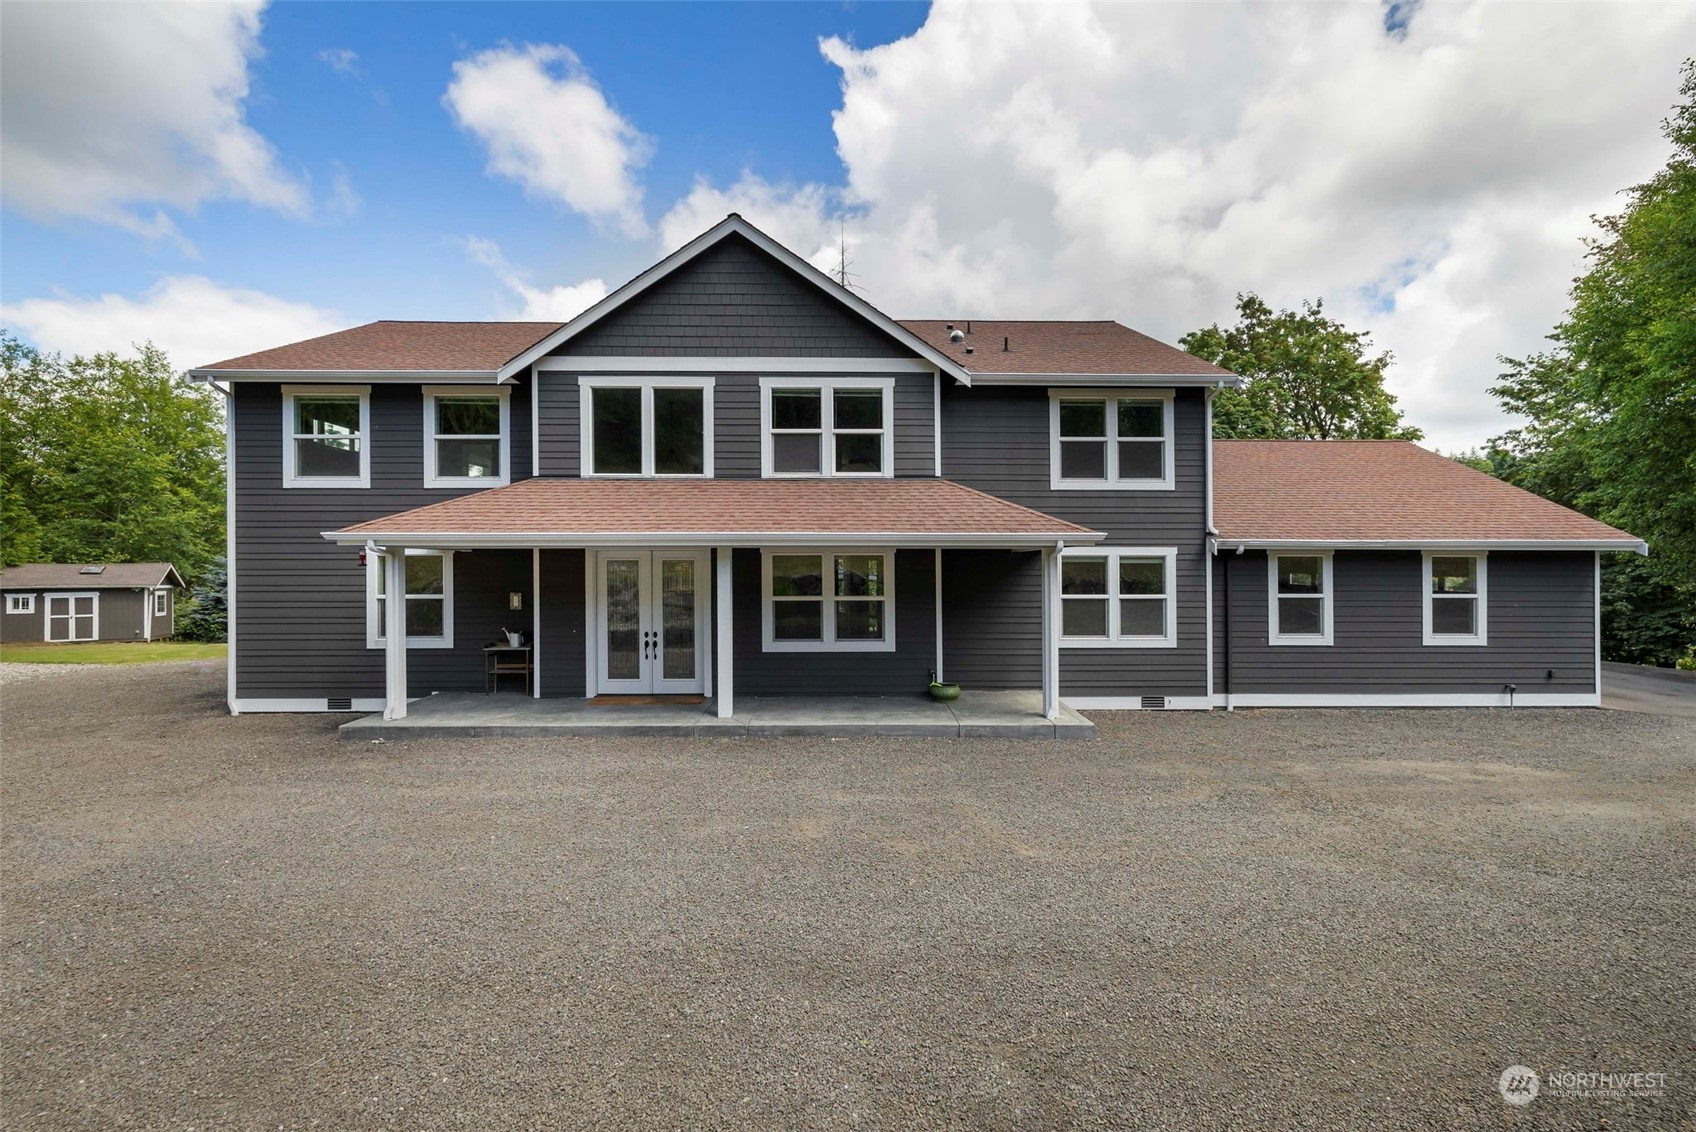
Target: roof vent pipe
[[1005, 346], [968, 326]]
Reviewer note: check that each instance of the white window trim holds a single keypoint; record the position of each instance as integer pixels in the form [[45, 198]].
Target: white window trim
[[161, 603], [1482, 636], [647, 384], [827, 430], [374, 563], [1327, 591], [1114, 638], [290, 477], [431, 436], [1167, 480], [20, 603], [828, 630]]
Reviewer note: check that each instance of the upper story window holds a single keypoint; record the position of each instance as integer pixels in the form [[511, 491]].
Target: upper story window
[[1118, 598], [1454, 599], [647, 426], [326, 432], [1301, 598], [429, 600], [829, 426], [20, 603], [1110, 439], [467, 436]]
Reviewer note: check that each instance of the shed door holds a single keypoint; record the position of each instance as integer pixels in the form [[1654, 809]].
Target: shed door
[[73, 617]]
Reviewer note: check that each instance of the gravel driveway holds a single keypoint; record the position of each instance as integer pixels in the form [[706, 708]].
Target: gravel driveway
[[1292, 919]]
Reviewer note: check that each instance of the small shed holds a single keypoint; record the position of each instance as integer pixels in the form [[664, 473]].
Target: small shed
[[63, 602]]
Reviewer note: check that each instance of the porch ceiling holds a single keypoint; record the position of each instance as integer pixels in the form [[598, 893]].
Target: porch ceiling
[[595, 512]]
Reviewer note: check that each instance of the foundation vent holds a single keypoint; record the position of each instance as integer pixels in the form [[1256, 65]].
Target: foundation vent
[[342, 703], [1153, 703]]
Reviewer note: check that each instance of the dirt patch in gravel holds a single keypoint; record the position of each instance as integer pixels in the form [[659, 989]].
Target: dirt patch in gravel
[[1317, 919]]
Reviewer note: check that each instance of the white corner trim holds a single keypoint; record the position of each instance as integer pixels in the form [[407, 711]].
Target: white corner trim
[[1327, 592], [647, 383], [827, 421], [1457, 640], [230, 549], [503, 394], [1408, 699], [827, 602], [1169, 440], [936, 422], [291, 477], [1134, 703], [1597, 630]]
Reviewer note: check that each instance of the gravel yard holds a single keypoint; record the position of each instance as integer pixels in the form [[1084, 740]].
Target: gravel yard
[[1293, 919]]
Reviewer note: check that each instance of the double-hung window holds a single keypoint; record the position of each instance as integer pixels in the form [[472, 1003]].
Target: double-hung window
[[429, 600], [1300, 611], [829, 601], [161, 602], [326, 434], [466, 433], [1105, 439], [1454, 599], [20, 603], [647, 426], [1118, 597], [837, 426]]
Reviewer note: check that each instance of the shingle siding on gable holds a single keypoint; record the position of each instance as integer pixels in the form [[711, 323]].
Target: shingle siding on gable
[[734, 301], [1540, 613]]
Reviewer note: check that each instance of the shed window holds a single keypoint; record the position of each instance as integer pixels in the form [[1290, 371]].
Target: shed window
[[20, 603], [161, 603]]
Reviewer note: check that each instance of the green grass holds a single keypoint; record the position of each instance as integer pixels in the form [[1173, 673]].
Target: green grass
[[111, 652]]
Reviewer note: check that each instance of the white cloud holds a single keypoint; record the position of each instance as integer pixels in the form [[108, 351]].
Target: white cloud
[[559, 303], [341, 59], [1146, 162], [193, 319], [548, 127], [121, 112]]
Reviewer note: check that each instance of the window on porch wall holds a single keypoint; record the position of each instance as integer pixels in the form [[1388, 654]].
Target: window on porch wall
[[429, 600], [821, 601]]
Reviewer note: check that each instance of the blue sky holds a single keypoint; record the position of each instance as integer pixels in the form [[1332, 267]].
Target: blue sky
[[224, 177]]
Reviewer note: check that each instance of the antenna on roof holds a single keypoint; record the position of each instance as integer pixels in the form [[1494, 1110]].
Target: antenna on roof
[[843, 275]]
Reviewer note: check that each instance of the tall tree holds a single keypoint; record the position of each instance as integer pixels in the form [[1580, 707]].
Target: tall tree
[[1308, 377], [107, 458], [1610, 409]]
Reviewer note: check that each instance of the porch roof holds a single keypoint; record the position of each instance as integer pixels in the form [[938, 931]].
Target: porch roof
[[717, 512]]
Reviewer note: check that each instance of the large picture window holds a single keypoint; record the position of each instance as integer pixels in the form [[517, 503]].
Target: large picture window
[[1110, 439], [1300, 611], [326, 430], [1118, 597], [647, 426], [829, 601], [429, 600], [1455, 612], [840, 426], [466, 433]]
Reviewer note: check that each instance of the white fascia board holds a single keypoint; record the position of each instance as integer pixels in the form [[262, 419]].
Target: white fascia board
[[1637, 545], [455, 540], [343, 376], [588, 364], [1185, 380], [735, 225]]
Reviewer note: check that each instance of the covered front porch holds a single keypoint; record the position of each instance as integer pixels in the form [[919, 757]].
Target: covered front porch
[[1002, 715]]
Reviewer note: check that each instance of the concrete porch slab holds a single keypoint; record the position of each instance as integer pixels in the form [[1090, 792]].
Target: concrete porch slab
[[1004, 715]]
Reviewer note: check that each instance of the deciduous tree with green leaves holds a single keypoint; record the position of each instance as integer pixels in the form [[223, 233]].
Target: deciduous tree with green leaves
[[107, 459], [1308, 377]]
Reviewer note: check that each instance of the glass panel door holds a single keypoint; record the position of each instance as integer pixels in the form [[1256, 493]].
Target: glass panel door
[[677, 618], [652, 622], [623, 622]]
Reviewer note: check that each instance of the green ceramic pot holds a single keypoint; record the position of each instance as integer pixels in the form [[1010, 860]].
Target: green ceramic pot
[[944, 692]]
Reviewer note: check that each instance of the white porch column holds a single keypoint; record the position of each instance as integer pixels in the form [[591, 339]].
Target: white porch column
[[394, 623], [724, 685], [1051, 633]]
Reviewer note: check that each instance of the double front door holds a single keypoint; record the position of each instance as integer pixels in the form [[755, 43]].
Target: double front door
[[651, 621], [73, 617]]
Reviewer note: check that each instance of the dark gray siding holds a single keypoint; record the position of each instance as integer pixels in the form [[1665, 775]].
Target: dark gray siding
[[1541, 617], [300, 600], [164, 623], [736, 424], [996, 440], [734, 300], [562, 646], [904, 672], [992, 618], [17, 628]]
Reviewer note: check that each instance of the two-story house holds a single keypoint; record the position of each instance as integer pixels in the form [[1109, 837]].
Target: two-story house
[[733, 477]]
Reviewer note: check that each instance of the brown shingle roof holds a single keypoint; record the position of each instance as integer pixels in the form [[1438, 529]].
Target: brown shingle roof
[[1378, 490], [1059, 347], [479, 347], [69, 576], [826, 508]]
